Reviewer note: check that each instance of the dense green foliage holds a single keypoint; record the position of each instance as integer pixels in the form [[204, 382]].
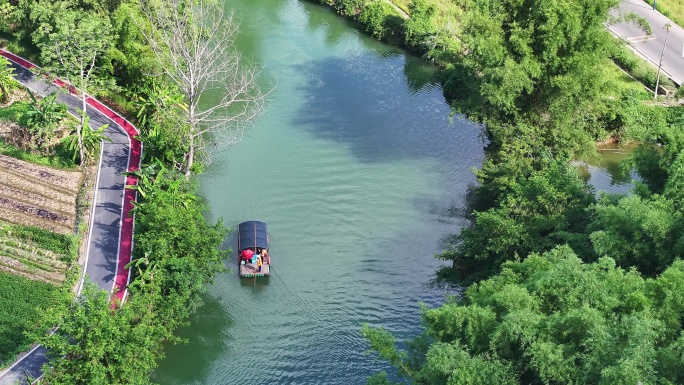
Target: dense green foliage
[[7, 82], [381, 20], [158, 110], [22, 302], [31, 138], [177, 254], [41, 120], [419, 29], [554, 319], [533, 58], [98, 345], [537, 213], [98, 45], [564, 286]]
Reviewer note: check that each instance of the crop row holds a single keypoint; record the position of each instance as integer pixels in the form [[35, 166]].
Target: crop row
[[66, 180], [33, 210], [37, 237], [51, 263], [24, 183], [26, 219], [28, 246], [37, 200], [29, 270], [31, 265]]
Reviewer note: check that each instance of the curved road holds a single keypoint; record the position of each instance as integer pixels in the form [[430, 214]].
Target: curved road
[[110, 239]]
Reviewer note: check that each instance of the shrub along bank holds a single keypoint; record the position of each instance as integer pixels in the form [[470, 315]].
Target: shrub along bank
[[176, 255]]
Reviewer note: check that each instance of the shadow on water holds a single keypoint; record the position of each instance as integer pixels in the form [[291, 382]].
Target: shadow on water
[[257, 284], [337, 26], [208, 335], [419, 76], [611, 158], [373, 112], [333, 33]]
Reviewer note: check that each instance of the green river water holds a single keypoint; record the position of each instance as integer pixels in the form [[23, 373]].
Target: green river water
[[358, 172], [360, 175]]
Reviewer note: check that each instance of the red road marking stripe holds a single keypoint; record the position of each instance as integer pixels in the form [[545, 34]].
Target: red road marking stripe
[[19, 60]]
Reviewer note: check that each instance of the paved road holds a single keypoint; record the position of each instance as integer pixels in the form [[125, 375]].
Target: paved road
[[110, 238], [651, 47]]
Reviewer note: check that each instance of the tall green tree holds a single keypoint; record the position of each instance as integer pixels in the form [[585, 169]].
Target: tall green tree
[[174, 238], [533, 56], [536, 213], [97, 344], [7, 14], [72, 49], [645, 233]]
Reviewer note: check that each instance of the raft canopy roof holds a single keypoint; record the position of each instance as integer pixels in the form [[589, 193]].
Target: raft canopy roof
[[252, 234]]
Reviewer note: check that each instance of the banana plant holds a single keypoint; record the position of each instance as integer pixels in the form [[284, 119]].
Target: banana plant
[[45, 112], [146, 268], [154, 99], [90, 139], [152, 181], [7, 81]]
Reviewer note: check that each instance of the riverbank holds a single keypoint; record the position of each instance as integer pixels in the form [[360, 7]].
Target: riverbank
[[433, 33]]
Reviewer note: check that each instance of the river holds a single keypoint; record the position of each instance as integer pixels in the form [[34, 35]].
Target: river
[[360, 175]]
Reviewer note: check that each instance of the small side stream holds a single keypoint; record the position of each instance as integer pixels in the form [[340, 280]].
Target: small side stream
[[605, 173]]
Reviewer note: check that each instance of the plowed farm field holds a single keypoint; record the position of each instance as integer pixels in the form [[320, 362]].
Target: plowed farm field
[[33, 196]]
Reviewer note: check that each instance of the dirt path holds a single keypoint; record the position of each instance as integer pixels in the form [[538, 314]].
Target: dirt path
[[401, 11]]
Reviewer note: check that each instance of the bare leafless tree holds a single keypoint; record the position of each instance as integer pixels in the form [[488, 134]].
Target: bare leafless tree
[[194, 44]]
